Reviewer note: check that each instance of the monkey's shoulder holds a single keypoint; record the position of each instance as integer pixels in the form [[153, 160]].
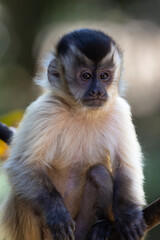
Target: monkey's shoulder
[[38, 116], [119, 114], [122, 107], [39, 112]]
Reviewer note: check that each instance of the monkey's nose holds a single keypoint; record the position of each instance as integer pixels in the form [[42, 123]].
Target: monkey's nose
[[97, 93], [94, 92]]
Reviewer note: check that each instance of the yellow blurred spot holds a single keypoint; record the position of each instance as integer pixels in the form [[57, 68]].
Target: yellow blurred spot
[[12, 118], [3, 149]]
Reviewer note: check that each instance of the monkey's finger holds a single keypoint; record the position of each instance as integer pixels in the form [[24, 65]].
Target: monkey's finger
[[131, 235], [134, 233], [125, 234], [58, 235], [68, 232], [123, 237], [71, 234], [73, 225], [92, 235], [99, 234], [108, 234], [121, 231], [140, 230], [71, 237]]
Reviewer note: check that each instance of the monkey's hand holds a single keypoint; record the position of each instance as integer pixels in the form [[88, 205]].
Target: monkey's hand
[[130, 223], [101, 230], [60, 222]]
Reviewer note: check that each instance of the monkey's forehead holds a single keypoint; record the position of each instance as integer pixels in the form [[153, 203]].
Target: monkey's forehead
[[94, 44]]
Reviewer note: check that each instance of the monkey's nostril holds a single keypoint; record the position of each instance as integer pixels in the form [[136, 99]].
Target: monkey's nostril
[[102, 93], [94, 93]]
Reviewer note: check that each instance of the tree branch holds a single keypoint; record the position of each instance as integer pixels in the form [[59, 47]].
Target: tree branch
[[152, 214]]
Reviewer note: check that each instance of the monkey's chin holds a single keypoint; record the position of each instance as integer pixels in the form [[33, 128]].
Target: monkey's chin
[[94, 104]]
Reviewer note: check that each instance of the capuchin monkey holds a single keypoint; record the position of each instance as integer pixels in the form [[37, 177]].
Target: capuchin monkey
[[75, 165]]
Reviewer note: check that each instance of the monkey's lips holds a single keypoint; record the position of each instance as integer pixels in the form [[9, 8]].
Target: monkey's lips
[[94, 102]]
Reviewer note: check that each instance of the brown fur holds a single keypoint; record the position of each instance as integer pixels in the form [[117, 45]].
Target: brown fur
[[57, 143]]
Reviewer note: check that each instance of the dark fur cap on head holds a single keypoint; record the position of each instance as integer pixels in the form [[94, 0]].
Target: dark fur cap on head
[[93, 44]]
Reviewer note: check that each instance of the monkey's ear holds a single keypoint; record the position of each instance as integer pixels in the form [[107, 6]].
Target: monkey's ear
[[49, 77], [53, 73]]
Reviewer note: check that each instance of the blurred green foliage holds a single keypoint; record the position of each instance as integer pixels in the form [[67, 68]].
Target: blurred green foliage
[[12, 118]]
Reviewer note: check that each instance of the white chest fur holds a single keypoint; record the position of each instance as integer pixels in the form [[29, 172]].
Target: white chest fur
[[83, 140]]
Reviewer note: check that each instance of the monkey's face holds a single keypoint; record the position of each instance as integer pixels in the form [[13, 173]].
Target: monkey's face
[[90, 64], [94, 81], [92, 85]]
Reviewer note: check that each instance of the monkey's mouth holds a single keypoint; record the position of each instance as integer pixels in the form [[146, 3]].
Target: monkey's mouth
[[94, 102]]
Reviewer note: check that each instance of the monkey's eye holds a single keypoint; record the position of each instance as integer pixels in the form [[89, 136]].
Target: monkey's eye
[[105, 76], [86, 75]]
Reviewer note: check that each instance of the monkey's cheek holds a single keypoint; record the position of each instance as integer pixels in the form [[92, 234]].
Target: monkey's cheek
[[96, 103]]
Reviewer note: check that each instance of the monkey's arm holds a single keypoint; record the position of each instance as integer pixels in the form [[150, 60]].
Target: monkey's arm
[[128, 197], [33, 145]]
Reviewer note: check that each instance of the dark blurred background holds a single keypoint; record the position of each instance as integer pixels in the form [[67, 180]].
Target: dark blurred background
[[29, 29]]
